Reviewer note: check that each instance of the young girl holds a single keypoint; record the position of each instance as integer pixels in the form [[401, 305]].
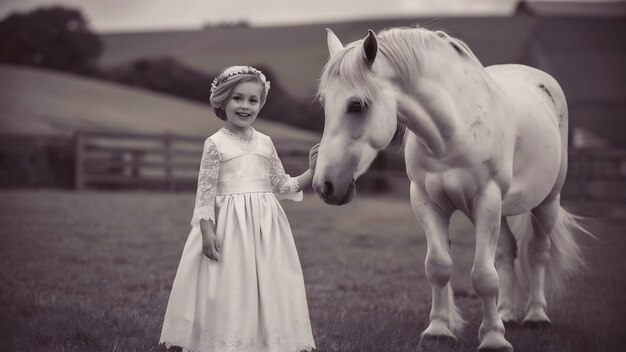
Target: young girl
[[239, 284]]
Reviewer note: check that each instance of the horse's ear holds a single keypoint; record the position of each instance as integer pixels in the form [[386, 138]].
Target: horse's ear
[[370, 47], [334, 44]]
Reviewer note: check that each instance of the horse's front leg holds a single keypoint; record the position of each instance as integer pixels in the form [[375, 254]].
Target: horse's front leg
[[486, 214], [444, 317]]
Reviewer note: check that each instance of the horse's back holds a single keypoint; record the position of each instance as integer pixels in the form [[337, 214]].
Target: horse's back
[[538, 110], [520, 80]]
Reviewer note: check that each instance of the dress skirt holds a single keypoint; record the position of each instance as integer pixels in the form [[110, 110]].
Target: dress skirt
[[253, 299]]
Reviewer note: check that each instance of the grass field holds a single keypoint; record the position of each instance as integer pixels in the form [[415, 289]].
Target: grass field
[[92, 271]]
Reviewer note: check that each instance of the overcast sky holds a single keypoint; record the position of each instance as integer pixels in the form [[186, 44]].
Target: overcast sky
[[131, 15]]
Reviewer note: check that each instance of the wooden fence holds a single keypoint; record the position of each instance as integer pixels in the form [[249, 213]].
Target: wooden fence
[[148, 161], [596, 180], [171, 162]]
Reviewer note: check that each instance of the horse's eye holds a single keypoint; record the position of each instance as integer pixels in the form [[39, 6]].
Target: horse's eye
[[355, 106]]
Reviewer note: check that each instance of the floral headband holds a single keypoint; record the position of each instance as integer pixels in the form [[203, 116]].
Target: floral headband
[[238, 70]]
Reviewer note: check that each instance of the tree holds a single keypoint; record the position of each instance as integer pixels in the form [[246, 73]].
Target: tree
[[165, 75], [52, 37]]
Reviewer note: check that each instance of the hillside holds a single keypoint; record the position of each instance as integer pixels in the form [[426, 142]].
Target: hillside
[[34, 101], [297, 54], [556, 41]]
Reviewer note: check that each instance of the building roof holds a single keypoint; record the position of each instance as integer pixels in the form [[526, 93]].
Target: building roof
[[588, 9]]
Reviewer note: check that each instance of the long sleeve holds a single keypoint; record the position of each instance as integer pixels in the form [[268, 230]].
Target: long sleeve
[[207, 184], [283, 185]]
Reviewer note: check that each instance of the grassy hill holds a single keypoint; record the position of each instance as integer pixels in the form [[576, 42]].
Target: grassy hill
[[297, 54], [539, 36], [34, 101]]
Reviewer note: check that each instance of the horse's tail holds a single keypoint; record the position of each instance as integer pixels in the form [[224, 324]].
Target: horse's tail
[[565, 255]]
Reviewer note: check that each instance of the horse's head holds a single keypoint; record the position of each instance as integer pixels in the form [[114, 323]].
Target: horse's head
[[360, 116]]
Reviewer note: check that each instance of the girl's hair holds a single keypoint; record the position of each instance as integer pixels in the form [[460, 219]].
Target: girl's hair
[[221, 92]]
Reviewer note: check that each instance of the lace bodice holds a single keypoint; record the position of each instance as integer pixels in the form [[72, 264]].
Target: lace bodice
[[232, 165]]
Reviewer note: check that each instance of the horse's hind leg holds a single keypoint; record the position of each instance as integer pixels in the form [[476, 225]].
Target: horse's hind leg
[[444, 319], [505, 256], [487, 217], [544, 219]]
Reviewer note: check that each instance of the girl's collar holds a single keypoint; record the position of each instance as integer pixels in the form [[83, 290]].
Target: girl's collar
[[238, 138]]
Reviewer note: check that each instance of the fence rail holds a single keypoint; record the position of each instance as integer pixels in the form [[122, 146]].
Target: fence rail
[[133, 160], [165, 161], [597, 175], [170, 161]]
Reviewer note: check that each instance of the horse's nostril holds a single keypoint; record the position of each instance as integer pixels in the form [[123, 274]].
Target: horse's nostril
[[327, 189]]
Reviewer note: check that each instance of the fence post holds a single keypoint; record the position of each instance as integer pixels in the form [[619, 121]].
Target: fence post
[[137, 159], [168, 160], [78, 160]]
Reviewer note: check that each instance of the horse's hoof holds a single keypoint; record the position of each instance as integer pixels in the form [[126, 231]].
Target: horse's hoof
[[438, 328], [494, 342], [436, 342], [537, 319], [437, 336]]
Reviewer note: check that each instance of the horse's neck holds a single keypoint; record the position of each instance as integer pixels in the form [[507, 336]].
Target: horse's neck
[[434, 110], [430, 114]]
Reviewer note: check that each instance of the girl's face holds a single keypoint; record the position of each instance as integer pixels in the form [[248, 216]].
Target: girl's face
[[244, 104]]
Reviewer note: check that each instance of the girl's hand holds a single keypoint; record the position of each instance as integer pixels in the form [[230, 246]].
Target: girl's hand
[[210, 247], [313, 156], [210, 244]]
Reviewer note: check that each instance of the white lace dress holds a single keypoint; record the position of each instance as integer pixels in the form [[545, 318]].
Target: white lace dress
[[253, 298]]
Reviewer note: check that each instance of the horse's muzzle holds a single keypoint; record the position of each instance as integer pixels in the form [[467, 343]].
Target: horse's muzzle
[[329, 194]]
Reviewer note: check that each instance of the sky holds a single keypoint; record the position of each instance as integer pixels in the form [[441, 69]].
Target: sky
[[146, 15]]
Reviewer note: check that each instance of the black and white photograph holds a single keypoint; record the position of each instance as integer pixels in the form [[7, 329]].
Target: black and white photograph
[[319, 176]]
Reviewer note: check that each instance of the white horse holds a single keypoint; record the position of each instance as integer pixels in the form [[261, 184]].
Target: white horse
[[490, 142]]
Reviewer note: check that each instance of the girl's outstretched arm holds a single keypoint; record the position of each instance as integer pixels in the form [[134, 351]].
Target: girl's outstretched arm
[[285, 186], [306, 178]]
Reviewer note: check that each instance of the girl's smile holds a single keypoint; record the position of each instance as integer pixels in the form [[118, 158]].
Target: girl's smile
[[243, 106]]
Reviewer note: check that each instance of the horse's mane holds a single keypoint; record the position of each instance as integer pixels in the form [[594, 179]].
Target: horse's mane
[[407, 49], [350, 67]]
